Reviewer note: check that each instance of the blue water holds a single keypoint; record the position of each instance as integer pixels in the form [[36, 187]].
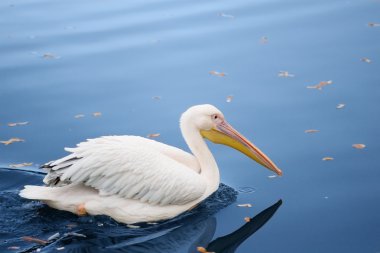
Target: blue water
[[142, 63]]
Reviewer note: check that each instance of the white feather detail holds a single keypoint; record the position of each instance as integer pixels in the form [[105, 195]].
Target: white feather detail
[[134, 168]]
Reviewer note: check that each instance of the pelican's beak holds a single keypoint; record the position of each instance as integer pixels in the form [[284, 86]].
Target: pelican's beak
[[224, 133]]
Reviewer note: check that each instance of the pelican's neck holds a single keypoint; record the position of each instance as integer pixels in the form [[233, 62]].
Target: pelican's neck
[[199, 148]]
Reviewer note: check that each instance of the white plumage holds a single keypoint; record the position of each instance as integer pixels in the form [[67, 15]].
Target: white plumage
[[134, 179]]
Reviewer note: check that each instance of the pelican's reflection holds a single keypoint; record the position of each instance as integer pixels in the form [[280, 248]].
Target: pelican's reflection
[[194, 232]]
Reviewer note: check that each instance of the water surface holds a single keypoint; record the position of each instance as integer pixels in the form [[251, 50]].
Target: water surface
[[142, 63]]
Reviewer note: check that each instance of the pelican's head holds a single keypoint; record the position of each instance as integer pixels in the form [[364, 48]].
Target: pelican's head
[[211, 124]]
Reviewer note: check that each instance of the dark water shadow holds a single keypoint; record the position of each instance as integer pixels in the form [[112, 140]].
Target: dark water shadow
[[20, 217]]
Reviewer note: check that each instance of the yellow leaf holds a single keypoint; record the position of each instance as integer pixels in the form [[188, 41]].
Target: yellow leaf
[[33, 239], [12, 140], [320, 85], [358, 146], [216, 73]]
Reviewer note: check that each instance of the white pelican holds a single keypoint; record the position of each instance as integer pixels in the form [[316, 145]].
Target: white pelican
[[134, 179]]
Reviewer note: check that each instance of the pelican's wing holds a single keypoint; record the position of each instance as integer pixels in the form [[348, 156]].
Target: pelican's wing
[[123, 165]]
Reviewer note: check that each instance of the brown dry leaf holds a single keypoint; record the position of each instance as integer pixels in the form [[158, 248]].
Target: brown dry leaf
[[340, 106], [153, 135], [19, 165], [50, 56], [365, 59], [12, 140], [371, 24], [229, 98], [96, 114], [358, 146], [244, 205], [310, 131], [327, 158], [78, 116], [18, 123], [203, 250], [247, 219], [216, 73], [264, 40], [33, 239], [320, 85], [285, 74]]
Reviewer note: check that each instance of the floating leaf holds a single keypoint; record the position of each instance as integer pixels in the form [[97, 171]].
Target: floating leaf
[[264, 40], [340, 106], [53, 237], [75, 234], [247, 219], [19, 165], [358, 146], [50, 56], [244, 205], [320, 85], [365, 59], [310, 131], [78, 116], [229, 98], [153, 135], [371, 24], [327, 158], [132, 226], [12, 140], [18, 124], [216, 73], [285, 74], [13, 247], [96, 114], [203, 250], [33, 239], [226, 15]]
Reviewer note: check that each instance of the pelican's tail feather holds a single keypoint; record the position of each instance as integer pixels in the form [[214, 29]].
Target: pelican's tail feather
[[37, 192]]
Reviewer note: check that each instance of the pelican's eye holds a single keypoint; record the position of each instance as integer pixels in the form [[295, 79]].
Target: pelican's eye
[[216, 118]]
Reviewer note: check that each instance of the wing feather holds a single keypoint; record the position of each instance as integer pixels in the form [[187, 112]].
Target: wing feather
[[132, 168]]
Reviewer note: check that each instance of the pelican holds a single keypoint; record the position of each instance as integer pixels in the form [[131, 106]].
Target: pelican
[[134, 179]]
